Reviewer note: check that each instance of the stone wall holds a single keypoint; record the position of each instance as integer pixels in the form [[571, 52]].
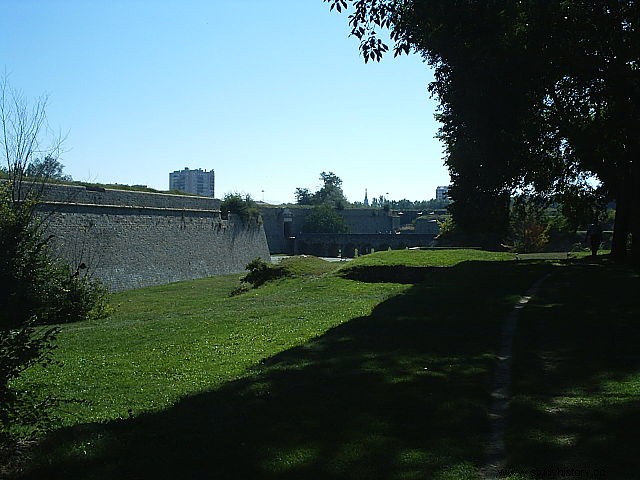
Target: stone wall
[[369, 220], [282, 223], [427, 225], [345, 244], [131, 239], [275, 230], [108, 196]]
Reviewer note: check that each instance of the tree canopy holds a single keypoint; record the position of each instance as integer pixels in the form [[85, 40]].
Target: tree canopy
[[329, 194], [535, 94], [48, 168]]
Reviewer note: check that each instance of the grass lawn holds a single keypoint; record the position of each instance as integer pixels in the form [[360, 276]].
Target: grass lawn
[[344, 370], [577, 374]]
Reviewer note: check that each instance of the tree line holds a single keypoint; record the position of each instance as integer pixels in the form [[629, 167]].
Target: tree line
[[331, 194]]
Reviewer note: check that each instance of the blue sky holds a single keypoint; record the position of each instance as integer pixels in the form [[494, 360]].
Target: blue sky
[[267, 93]]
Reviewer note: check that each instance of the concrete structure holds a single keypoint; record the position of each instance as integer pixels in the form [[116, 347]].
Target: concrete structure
[[132, 239], [442, 193], [198, 182], [426, 226]]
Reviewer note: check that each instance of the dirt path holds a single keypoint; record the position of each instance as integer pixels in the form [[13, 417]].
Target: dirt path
[[501, 391]]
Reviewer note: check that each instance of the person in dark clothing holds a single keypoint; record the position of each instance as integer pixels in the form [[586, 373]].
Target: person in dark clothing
[[594, 236]]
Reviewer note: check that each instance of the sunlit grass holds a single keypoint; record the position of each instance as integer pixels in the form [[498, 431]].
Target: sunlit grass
[[319, 376], [162, 343], [428, 258]]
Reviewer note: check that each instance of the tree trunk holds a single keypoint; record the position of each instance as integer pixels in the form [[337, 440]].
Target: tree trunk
[[634, 214], [621, 225]]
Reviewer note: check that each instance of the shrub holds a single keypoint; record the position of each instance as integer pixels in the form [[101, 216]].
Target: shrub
[[34, 290], [244, 207], [261, 272], [529, 225], [446, 225]]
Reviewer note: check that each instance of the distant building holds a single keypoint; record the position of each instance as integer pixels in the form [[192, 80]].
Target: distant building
[[199, 182], [366, 198], [442, 193]]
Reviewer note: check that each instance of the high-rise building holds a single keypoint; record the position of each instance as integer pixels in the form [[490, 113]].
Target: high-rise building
[[442, 193], [199, 182]]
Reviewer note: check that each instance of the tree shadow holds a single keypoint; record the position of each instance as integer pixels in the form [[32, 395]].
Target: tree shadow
[[400, 393], [389, 273], [577, 374]]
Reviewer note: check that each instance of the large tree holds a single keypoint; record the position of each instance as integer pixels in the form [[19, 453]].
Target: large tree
[[594, 100], [483, 81], [532, 94], [329, 194]]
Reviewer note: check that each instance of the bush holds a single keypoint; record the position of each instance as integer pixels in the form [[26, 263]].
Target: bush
[[529, 224], [447, 225], [34, 290], [261, 272], [244, 207]]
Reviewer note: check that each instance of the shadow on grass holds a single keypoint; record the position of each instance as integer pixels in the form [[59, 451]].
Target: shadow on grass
[[389, 273], [577, 375], [401, 393]]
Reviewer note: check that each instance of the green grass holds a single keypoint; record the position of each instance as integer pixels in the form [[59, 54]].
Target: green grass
[[319, 375], [307, 266], [162, 343], [577, 374], [428, 258]]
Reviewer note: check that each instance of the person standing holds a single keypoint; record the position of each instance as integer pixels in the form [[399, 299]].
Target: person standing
[[594, 236]]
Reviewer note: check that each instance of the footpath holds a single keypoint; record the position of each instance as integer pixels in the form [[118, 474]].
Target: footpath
[[501, 391]]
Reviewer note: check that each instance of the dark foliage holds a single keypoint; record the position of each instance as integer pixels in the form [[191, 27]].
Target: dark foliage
[[34, 290], [324, 219], [329, 194], [50, 169], [533, 94], [261, 272], [243, 206]]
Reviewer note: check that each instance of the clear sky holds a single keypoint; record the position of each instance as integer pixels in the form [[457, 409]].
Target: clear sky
[[267, 93]]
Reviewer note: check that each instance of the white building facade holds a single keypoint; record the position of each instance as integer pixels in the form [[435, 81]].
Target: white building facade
[[442, 193], [198, 181]]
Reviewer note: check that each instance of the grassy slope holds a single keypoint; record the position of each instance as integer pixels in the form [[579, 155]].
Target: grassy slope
[[317, 376], [165, 342]]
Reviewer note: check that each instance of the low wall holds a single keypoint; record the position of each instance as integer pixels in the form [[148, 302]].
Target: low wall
[[132, 239]]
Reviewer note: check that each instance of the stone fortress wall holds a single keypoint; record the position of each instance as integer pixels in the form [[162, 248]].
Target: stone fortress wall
[[369, 229], [349, 244], [133, 239]]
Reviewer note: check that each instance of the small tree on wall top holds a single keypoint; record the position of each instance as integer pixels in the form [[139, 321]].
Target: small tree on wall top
[[243, 206], [329, 194]]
